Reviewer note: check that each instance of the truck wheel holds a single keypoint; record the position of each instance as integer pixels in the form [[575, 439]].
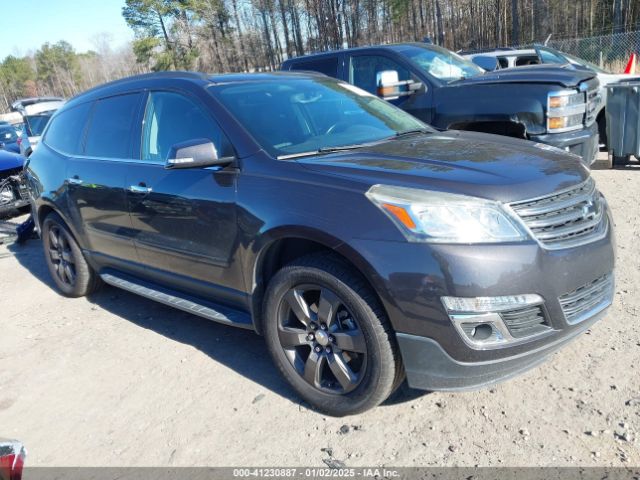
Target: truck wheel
[[70, 271], [329, 336]]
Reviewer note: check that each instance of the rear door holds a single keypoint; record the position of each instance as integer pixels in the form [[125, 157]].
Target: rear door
[[184, 220], [96, 178]]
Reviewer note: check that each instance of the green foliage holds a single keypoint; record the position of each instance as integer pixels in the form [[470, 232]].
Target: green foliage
[[146, 17], [58, 67], [14, 74], [144, 49]]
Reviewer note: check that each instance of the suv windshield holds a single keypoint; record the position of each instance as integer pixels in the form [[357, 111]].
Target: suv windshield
[[35, 124], [308, 115], [441, 63], [549, 55], [8, 134]]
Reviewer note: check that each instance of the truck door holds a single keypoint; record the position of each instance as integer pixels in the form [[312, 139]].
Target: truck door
[[362, 70]]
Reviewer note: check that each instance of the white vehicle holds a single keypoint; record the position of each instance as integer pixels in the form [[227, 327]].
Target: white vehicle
[[36, 113], [507, 58]]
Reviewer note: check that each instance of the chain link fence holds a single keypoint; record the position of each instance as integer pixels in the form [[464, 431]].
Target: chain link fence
[[611, 52]]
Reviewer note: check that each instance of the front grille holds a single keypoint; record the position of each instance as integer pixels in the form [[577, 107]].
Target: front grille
[[593, 99], [587, 300], [525, 322], [593, 106], [565, 219]]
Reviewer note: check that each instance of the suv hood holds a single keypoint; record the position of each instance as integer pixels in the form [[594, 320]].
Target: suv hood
[[476, 164], [565, 77]]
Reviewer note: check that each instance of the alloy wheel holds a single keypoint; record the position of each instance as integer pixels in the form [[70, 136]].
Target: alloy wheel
[[322, 339], [61, 255]]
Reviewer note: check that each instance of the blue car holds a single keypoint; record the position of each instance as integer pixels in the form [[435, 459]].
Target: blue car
[[9, 139]]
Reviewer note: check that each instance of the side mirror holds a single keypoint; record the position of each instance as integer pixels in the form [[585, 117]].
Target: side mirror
[[486, 63], [197, 153], [389, 87]]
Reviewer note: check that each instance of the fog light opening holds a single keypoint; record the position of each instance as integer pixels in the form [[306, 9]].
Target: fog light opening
[[482, 332]]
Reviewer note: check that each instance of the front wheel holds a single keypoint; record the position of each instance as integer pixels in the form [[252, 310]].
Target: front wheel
[[329, 336]]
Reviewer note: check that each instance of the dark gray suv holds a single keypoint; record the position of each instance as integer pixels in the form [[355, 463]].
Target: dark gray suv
[[364, 245]]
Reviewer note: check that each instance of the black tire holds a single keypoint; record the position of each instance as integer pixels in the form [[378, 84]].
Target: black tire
[[374, 365], [69, 269]]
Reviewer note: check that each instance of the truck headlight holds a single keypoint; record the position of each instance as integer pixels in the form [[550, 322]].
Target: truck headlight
[[436, 217], [565, 111]]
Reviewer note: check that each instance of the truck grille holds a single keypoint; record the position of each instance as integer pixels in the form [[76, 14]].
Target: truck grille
[[594, 100], [525, 322], [565, 219], [587, 300]]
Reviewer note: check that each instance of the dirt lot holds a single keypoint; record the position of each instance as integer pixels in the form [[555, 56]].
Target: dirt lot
[[118, 380]]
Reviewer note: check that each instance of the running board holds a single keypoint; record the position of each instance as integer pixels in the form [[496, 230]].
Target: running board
[[208, 310]]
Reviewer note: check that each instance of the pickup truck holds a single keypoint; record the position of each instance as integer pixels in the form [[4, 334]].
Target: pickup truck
[[542, 55], [545, 104]]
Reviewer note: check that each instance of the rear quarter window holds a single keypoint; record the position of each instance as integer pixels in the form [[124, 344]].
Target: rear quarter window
[[111, 126], [66, 129], [328, 66]]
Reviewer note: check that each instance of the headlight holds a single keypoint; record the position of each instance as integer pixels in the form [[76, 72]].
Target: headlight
[[565, 111], [424, 216]]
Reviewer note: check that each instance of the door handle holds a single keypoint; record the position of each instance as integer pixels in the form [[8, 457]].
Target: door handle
[[75, 180], [141, 188]]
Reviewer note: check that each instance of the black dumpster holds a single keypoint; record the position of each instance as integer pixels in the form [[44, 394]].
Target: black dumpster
[[623, 121]]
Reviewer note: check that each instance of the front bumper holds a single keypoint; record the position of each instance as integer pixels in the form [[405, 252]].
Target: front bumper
[[584, 143], [429, 367], [412, 278]]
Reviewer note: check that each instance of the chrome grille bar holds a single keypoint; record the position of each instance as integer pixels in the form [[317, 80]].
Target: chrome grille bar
[[587, 300], [567, 218]]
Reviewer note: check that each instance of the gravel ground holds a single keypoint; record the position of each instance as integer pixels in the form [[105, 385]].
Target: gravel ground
[[117, 380]]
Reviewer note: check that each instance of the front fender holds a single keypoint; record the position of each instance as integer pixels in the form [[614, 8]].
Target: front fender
[[516, 103]]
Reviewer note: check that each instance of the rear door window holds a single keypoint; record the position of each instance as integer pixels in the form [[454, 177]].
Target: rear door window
[[65, 133], [527, 60], [326, 65], [111, 127]]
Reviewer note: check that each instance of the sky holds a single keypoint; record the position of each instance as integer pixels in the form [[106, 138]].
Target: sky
[[26, 24]]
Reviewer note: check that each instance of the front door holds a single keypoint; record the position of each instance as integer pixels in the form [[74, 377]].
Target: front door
[[363, 70], [184, 220]]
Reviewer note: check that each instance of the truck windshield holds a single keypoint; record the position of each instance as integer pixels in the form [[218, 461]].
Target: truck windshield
[[291, 117], [441, 63]]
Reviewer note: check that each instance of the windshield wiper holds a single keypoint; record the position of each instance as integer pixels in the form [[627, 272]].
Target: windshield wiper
[[324, 150], [408, 133], [340, 148]]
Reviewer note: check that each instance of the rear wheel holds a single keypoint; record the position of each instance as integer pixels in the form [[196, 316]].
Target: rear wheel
[[71, 273], [329, 337]]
